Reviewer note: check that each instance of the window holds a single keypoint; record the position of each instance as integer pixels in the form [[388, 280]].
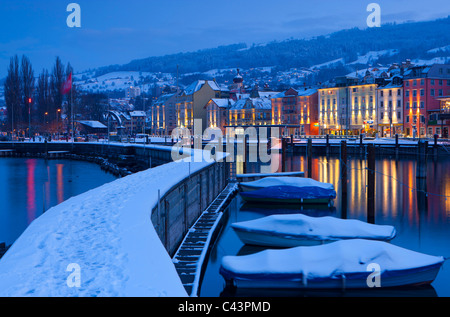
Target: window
[[441, 92], [406, 83], [422, 92], [399, 114], [422, 119], [441, 82], [414, 93], [381, 93], [407, 93], [407, 119], [381, 104], [399, 104], [414, 82], [422, 105], [422, 82], [399, 92], [407, 105], [432, 92], [415, 105], [381, 115], [432, 82]]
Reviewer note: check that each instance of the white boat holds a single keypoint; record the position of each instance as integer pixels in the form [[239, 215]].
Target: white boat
[[292, 230], [297, 190], [345, 264]]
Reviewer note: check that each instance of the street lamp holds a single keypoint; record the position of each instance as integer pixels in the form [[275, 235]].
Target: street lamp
[[29, 117], [57, 120]]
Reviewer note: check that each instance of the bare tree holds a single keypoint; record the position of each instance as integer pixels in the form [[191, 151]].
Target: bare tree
[[27, 88], [13, 94]]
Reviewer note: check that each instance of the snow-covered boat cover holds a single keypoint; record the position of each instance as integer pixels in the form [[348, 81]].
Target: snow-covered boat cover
[[290, 193], [316, 228], [287, 181], [345, 257]]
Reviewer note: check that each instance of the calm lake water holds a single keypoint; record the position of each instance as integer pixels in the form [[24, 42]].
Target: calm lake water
[[422, 220], [28, 187]]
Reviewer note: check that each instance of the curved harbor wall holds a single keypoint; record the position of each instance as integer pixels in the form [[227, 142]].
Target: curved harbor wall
[[178, 208]]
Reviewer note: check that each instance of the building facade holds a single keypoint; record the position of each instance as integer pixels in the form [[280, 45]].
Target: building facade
[[296, 112], [390, 108], [163, 114], [191, 104], [423, 86], [217, 113]]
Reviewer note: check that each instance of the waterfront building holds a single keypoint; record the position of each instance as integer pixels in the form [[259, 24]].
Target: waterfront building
[[390, 107], [163, 114], [191, 104], [296, 112], [250, 112], [217, 113], [439, 121], [362, 102], [424, 87]]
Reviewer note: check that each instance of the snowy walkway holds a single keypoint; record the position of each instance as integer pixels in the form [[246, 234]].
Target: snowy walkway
[[108, 233]]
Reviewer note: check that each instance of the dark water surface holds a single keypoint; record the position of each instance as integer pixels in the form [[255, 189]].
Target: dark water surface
[[422, 220], [28, 187]]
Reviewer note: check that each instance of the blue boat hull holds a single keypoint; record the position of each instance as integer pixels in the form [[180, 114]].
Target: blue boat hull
[[290, 194]]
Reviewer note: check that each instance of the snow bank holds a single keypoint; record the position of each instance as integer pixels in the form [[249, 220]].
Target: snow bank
[[108, 233], [334, 259], [322, 228]]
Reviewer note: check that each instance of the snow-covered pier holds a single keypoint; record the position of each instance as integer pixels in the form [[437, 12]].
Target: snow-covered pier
[[117, 239]]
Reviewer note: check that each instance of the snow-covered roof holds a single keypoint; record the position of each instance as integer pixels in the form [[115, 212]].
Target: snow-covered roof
[[253, 103], [223, 103], [307, 92], [138, 113], [197, 85], [93, 124]]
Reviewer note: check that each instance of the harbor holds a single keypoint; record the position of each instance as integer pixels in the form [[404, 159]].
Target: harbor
[[420, 217]]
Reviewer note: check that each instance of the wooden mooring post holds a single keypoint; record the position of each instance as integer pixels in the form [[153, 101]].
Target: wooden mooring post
[[371, 183], [343, 161], [309, 154], [328, 145], [421, 171]]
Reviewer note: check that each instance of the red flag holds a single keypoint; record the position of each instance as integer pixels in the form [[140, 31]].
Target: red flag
[[67, 85]]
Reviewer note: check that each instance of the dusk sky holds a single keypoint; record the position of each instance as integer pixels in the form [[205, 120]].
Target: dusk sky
[[117, 31]]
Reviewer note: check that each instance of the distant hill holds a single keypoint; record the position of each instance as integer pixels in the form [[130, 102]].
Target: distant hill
[[414, 40]]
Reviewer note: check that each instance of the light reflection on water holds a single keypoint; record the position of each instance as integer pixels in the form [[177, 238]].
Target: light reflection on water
[[422, 220], [28, 187]]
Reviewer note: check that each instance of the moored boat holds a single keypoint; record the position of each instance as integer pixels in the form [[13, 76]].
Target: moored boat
[[292, 190], [291, 230], [345, 264]]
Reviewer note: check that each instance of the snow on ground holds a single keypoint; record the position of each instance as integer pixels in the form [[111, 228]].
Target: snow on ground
[[335, 62], [373, 56], [108, 233]]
